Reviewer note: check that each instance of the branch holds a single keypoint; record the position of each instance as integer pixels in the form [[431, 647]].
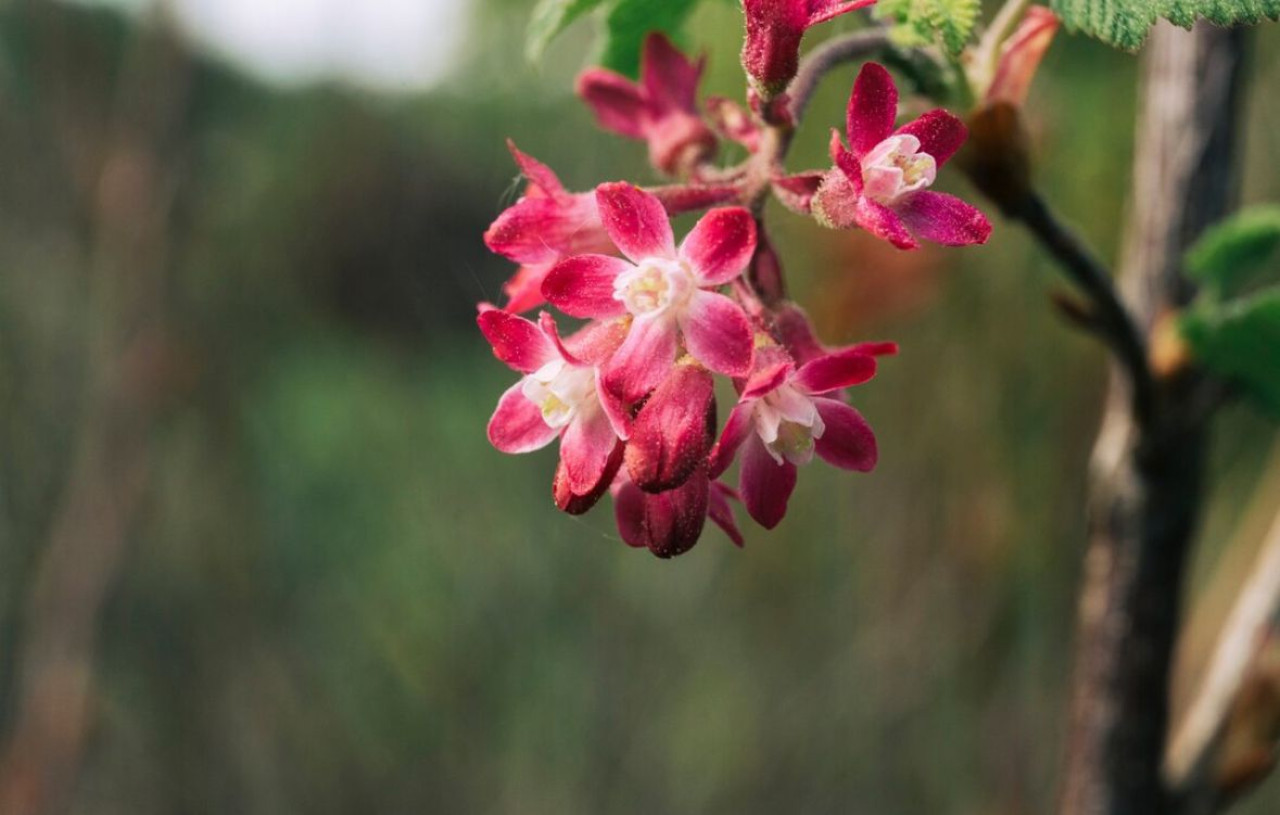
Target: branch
[[823, 59], [1219, 749]]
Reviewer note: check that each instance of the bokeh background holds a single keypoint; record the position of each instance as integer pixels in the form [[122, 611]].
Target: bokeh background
[[259, 558]]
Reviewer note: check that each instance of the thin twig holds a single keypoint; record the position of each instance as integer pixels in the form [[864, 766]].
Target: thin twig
[[820, 62], [1112, 319]]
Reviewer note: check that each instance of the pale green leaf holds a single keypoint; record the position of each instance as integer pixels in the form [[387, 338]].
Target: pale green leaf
[[1125, 23], [1240, 341], [1237, 251]]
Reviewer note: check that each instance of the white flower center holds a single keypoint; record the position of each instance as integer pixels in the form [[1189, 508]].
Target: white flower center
[[654, 286], [560, 390], [787, 421], [896, 168]]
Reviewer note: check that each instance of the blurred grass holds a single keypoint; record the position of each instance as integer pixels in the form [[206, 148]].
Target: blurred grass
[[341, 599]]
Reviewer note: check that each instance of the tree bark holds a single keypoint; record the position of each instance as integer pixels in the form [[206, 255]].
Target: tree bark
[[1146, 475]]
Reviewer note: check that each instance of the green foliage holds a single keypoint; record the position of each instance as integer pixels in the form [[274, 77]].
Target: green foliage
[[1241, 341], [626, 23], [947, 23], [1235, 252], [1125, 23]]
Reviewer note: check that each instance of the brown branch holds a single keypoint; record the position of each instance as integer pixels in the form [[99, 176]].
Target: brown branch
[[1146, 478]]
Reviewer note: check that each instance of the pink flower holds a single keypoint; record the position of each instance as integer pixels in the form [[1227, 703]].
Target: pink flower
[[785, 415], [771, 53], [559, 397], [670, 523], [881, 182], [673, 431], [547, 223], [668, 292], [1020, 55], [661, 109]]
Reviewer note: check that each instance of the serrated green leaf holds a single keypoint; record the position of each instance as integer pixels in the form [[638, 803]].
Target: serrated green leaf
[[1125, 23], [1241, 342], [1236, 251], [921, 22], [629, 21], [549, 18]]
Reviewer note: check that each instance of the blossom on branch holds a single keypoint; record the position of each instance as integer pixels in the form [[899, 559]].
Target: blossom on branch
[[881, 181], [660, 109], [771, 53]]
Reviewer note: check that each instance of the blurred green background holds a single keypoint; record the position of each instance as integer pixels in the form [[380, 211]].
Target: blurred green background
[[242, 399]]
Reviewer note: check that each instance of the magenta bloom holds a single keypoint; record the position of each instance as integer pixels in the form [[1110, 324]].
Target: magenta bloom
[[881, 182], [559, 397], [784, 416], [771, 53], [670, 523], [547, 223], [668, 292], [661, 109]]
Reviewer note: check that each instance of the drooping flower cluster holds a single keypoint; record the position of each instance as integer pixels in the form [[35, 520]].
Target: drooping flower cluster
[[630, 396]]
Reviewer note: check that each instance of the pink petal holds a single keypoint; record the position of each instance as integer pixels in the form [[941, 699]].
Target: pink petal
[[644, 359], [772, 367], [517, 425], [720, 245], [520, 233], [771, 52], [616, 101], [582, 286], [574, 504], [590, 345], [524, 289], [880, 221], [585, 449], [614, 407], [720, 511], [940, 134], [766, 485], [673, 520], [515, 340], [944, 219], [717, 333], [791, 325], [796, 191], [636, 221], [672, 432], [736, 431], [1020, 56], [822, 10], [873, 106], [678, 198], [835, 371], [668, 78], [847, 442], [628, 512], [538, 174], [875, 349]]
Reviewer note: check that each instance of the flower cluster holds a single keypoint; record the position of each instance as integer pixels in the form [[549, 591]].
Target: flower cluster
[[630, 394]]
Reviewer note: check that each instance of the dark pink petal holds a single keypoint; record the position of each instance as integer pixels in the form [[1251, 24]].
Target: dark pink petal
[[846, 162], [551, 331], [515, 340], [582, 286], [771, 52], [592, 344], [616, 101], [793, 328], [944, 219], [822, 10], [880, 221], [517, 425], [636, 221], [520, 232], [539, 175], [796, 191], [672, 433], [673, 520], [720, 511], [736, 431], [847, 442], [585, 448], [766, 485], [678, 198], [574, 504], [614, 407], [765, 272], [720, 245], [873, 106], [628, 512], [644, 359], [717, 333], [524, 289], [875, 349], [773, 366], [835, 371], [668, 78], [940, 134]]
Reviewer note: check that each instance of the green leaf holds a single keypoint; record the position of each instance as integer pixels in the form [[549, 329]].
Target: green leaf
[[1125, 23], [949, 23], [549, 18], [629, 21], [1235, 251], [1240, 341]]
